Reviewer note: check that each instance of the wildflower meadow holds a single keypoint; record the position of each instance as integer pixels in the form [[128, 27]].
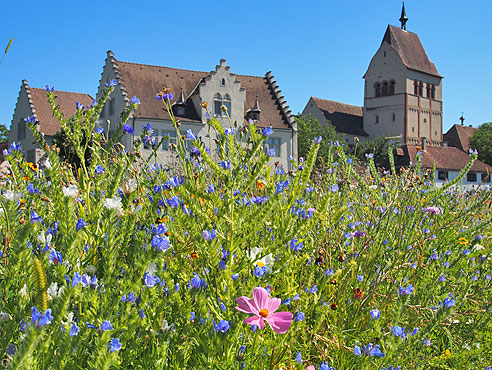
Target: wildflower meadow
[[228, 261]]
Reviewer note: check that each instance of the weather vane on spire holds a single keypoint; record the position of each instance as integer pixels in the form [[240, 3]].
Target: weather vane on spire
[[403, 18]]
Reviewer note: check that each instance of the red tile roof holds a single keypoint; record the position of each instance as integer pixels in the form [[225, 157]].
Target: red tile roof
[[144, 81], [445, 158], [49, 125], [459, 136], [409, 48], [346, 118]]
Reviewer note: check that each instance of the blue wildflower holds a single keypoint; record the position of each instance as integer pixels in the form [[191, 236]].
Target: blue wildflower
[[106, 325], [150, 280], [114, 345], [74, 330], [223, 326]]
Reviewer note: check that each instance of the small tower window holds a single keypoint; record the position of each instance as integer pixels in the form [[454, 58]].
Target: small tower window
[[222, 82], [421, 88], [385, 88], [415, 87], [394, 117], [428, 90], [433, 92], [425, 120], [392, 87], [377, 89], [377, 118]]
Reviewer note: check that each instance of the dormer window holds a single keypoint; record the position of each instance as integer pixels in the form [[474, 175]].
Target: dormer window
[[179, 107], [254, 112]]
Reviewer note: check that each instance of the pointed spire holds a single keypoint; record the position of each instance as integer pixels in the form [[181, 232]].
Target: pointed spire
[[256, 107], [403, 18], [181, 99], [462, 119]]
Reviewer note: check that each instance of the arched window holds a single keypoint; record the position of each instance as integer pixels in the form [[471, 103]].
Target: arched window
[[421, 88], [428, 90], [433, 92], [415, 87], [222, 82], [219, 102], [377, 118], [392, 87], [377, 88], [385, 88]]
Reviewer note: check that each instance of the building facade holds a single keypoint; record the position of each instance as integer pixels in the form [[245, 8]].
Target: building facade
[[247, 98], [34, 102]]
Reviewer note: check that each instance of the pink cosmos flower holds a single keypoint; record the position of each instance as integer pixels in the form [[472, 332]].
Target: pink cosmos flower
[[263, 308], [433, 210]]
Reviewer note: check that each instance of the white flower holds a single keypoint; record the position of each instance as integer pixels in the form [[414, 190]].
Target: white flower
[[152, 268], [10, 195], [165, 326], [4, 317], [132, 185], [266, 261], [113, 203], [90, 269], [23, 291], [45, 239], [478, 247], [53, 290], [70, 190], [254, 252]]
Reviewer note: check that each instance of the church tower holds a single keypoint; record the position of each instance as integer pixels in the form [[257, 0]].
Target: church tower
[[403, 90]]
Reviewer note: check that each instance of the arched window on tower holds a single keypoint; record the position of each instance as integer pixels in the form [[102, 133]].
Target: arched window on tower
[[433, 92], [385, 88], [421, 88], [415, 87], [377, 89], [392, 87], [428, 88]]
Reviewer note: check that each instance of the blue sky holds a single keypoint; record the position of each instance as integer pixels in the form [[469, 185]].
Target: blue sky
[[313, 48]]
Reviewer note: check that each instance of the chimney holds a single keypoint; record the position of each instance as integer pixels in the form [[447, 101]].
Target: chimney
[[422, 143]]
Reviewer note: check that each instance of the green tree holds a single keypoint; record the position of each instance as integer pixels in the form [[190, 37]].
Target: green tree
[[67, 150], [481, 140], [4, 133], [309, 127], [378, 147]]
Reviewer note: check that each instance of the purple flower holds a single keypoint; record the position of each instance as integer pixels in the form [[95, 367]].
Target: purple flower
[[271, 152], [223, 326], [190, 135], [114, 345], [112, 83], [99, 169], [209, 234], [74, 330], [35, 218], [106, 325], [317, 140], [81, 224], [150, 280], [375, 314], [39, 319], [135, 100], [449, 301], [267, 131], [128, 129], [79, 106], [398, 331], [161, 243], [55, 257]]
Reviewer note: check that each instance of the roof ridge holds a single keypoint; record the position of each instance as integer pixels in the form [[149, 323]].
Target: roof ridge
[[62, 91], [334, 101]]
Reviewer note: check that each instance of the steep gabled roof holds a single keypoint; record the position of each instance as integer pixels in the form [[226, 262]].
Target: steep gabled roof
[[346, 118], [459, 136], [145, 81], [445, 158], [409, 48], [40, 107]]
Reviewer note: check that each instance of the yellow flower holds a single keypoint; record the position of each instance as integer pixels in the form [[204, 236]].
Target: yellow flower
[[260, 185], [463, 241]]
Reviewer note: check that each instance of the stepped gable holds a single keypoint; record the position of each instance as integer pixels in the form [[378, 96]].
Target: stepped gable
[[447, 158], [346, 118], [409, 48], [145, 81], [458, 136], [41, 109]]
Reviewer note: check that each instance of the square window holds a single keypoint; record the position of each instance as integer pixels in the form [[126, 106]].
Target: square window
[[169, 138], [273, 143], [471, 177], [442, 175]]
